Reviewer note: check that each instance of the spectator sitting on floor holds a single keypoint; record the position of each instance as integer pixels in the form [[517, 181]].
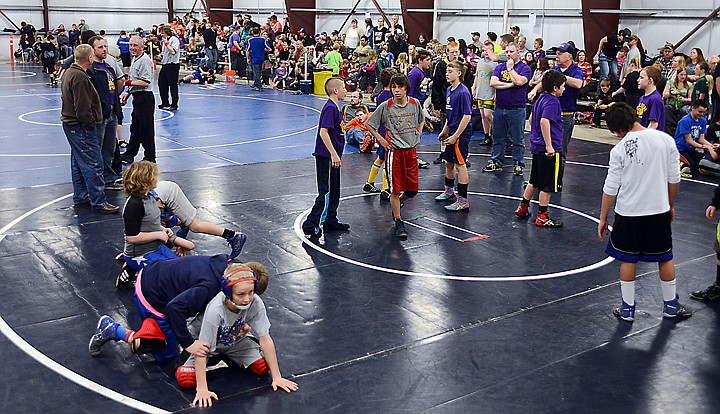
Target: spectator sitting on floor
[[281, 76], [349, 110], [201, 75], [356, 132], [690, 137]]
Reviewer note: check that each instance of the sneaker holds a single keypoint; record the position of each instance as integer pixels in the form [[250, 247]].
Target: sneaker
[[711, 294], [312, 233], [173, 107], [517, 169], [438, 160], [126, 278], [122, 143], [370, 188], [486, 141], [337, 226], [422, 164], [384, 195], [492, 166], [460, 204], [105, 332], [686, 172], [446, 195], [673, 309], [236, 242], [523, 211], [543, 220], [400, 231], [625, 312], [165, 107]]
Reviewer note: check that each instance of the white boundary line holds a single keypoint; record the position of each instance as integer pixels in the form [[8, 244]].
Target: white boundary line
[[597, 265], [22, 116], [453, 227], [439, 233], [28, 74], [53, 365]]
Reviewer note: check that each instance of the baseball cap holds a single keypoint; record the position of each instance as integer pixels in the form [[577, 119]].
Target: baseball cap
[[515, 28], [492, 36], [625, 34], [475, 33], [565, 47]]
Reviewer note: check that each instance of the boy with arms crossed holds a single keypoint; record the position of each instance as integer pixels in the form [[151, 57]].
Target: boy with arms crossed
[[404, 120]]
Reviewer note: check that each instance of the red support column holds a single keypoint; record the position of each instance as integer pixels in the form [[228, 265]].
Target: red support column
[[171, 10], [225, 18], [418, 22], [598, 25], [301, 19], [46, 16]]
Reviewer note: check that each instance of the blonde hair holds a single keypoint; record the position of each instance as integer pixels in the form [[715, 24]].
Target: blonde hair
[[402, 58], [138, 178], [260, 272], [458, 67]]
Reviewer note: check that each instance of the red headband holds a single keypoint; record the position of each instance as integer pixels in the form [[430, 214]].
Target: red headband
[[242, 279]]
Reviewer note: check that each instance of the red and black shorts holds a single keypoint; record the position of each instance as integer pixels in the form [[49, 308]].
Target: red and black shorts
[[402, 170]]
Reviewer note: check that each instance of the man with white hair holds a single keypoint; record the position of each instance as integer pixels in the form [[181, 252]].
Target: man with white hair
[[139, 85]]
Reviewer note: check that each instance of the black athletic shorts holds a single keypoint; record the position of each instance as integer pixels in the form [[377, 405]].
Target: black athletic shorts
[[545, 173], [641, 238]]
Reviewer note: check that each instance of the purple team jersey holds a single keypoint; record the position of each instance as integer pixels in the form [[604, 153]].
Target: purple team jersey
[[516, 96], [651, 108], [382, 97], [416, 77], [457, 104], [568, 100], [546, 106], [330, 118]]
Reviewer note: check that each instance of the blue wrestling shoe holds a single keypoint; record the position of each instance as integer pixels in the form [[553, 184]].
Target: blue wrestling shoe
[[674, 309], [105, 332], [625, 312], [236, 242]]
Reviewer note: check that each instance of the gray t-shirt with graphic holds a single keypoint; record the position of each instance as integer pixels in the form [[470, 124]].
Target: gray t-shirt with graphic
[[401, 122]]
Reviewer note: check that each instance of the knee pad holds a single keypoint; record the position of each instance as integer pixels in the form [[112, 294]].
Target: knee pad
[[185, 376], [260, 367], [410, 194]]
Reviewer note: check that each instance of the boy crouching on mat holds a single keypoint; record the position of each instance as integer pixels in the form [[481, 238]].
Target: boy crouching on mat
[[228, 319], [403, 118], [455, 135], [329, 147], [546, 133]]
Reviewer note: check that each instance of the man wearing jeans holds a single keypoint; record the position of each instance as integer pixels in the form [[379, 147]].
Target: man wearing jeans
[[81, 114], [105, 74], [210, 38], [607, 56], [257, 46], [510, 82]]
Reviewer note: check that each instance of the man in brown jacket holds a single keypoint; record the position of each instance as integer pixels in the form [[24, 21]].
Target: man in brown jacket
[[81, 114]]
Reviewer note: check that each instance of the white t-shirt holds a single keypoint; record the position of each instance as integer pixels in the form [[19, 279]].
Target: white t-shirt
[[220, 327], [642, 165]]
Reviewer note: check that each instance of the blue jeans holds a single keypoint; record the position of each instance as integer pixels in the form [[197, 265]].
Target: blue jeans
[[508, 121], [212, 55], [355, 136], [86, 165], [609, 67], [257, 74], [107, 138], [568, 122]]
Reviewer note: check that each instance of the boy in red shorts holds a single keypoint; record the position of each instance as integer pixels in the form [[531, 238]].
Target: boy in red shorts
[[403, 119]]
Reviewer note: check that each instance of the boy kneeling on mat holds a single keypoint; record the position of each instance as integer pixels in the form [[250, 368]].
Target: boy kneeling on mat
[[232, 321]]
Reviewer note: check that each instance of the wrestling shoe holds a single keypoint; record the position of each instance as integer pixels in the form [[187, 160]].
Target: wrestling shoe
[[492, 166], [686, 172], [523, 211], [315, 232], [400, 231], [422, 164], [517, 169], [236, 242], [126, 278], [459, 205], [446, 195], [370, 188], [625, 312], [385, 195], [486, 141], [105, 332], [711, 294], [544, 220], [673, 309]]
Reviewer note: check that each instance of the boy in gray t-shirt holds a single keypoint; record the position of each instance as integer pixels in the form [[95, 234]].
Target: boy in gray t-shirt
[[483, 93], [225, 324], [403, 118]]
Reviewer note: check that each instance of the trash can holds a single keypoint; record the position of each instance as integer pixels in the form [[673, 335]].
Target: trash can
[[229, 76], [321, 76], [305, 86]]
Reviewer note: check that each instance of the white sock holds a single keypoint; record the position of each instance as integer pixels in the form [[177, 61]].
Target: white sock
[[628, 292], [668, 290]]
